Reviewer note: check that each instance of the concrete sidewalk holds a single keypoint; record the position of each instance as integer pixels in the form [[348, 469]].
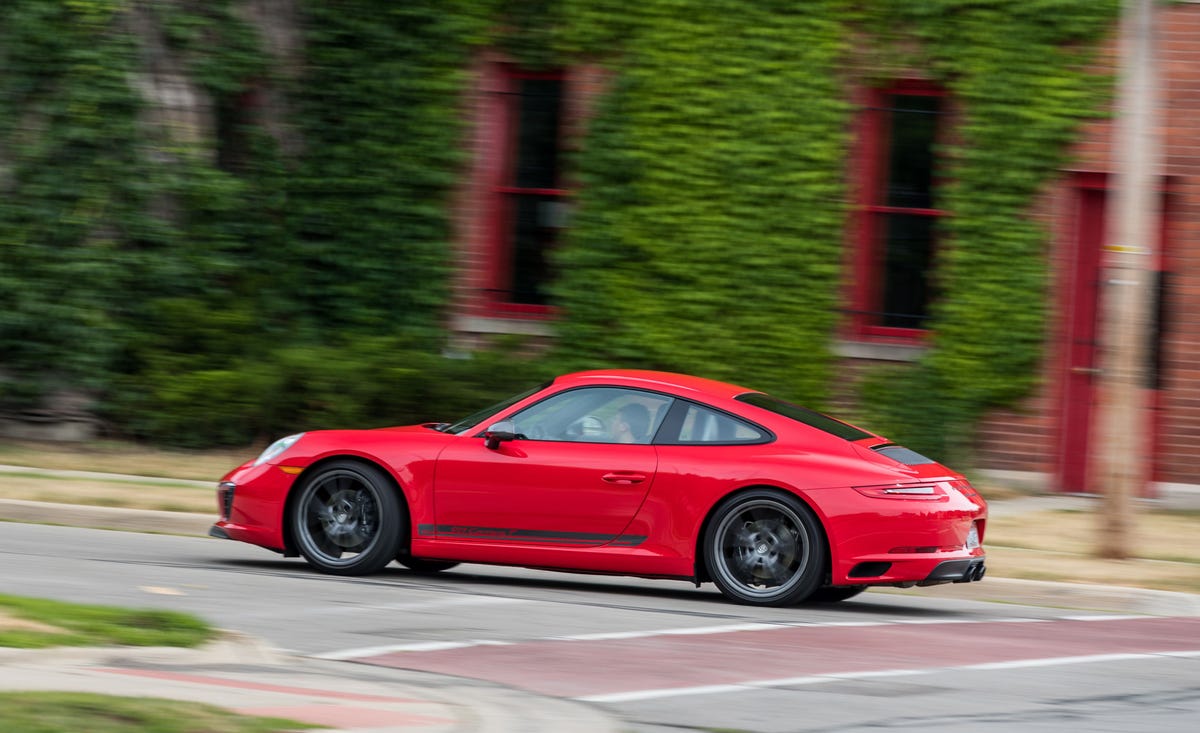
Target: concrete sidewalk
[[240, 674]]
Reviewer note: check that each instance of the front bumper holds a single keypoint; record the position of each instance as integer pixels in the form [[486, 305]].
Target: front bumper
[[250, 502]]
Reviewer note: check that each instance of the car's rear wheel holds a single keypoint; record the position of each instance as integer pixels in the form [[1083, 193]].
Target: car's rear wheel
[[835, 594], [765, 548], [421, 565], [347, 519]]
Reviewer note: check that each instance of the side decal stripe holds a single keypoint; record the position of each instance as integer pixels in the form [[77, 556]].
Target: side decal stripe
[[509, 534]]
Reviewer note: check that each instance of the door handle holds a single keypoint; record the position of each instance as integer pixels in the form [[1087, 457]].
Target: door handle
[[623, 477]]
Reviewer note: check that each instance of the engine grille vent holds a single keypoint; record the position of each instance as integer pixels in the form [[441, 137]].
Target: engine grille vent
[[900, 454]]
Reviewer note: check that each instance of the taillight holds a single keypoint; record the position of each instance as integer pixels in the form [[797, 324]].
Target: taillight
[[965, 488], [918, 492]]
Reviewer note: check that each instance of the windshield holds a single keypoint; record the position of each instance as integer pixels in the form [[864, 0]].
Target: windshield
[[474, 418]]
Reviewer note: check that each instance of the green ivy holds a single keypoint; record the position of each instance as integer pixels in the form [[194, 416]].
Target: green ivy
[[209, 300], [69, 191], [711, 200], [381, 120], [710, 215], [1020, 72]]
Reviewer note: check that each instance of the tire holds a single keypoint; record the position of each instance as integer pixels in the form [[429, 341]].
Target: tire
[[347, 519], [835, 594], [764, 548], [420, 565]]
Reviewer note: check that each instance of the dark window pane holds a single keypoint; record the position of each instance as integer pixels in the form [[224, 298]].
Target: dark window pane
[[830, 425], [908, 257], [910, 157], [535, 224], [537, 133]]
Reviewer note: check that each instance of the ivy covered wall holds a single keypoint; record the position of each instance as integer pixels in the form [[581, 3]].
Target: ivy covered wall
[[1021, 73], [224, 267], [711, 203], [713, 186], [201, 270]]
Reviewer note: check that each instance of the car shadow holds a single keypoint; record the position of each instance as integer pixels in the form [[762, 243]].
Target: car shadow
[[703, 601]]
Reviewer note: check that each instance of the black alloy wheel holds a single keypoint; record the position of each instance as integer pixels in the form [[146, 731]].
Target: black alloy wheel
[[347, 519], [765, 548]]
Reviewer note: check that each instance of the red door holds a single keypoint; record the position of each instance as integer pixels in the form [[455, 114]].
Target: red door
[[1079, 347], [1079, 378], [540, 492]]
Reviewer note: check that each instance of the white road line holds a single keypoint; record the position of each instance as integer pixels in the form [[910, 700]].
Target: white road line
[[1101, 617], [617, 697], [434, 646], [681, 631], [418, 646], [933, 621]]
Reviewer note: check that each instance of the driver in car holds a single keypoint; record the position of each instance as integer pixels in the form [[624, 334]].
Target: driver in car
[[631, 424]]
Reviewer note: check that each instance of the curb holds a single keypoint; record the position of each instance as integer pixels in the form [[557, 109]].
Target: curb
[[104, 517]]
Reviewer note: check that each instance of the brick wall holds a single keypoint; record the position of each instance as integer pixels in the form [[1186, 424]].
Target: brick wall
[[1024, 439]]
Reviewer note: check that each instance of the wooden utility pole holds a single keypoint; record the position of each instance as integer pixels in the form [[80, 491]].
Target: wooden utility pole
[[1131, 253]]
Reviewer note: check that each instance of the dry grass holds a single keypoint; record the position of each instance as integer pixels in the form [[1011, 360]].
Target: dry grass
[[162, 496], [1063, 545], [9, 622], [1157, 534], [115, 457]]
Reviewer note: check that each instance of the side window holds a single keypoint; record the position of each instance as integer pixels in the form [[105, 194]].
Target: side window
[[594, 415], [702, 425]]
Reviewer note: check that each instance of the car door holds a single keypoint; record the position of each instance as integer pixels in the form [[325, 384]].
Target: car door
[[564, 481]]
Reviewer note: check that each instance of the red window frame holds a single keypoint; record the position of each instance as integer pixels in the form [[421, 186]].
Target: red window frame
[[871, 209], [504, 112]]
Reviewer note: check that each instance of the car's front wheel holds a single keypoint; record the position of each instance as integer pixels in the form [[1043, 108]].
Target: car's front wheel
[[765, 548], [347, 519]]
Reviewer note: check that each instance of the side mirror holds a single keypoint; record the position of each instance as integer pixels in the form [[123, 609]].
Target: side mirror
[[499, 433]]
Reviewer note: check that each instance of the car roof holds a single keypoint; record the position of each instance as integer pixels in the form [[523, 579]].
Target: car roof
[[647, 379]]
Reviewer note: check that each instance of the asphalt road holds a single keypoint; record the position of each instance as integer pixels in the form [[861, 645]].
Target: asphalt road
[[660, 655]]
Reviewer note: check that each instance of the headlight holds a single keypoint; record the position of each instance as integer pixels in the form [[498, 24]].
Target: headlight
[[277, 448]]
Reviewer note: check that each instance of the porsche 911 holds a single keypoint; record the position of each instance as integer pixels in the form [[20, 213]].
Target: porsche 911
[[620, 472]]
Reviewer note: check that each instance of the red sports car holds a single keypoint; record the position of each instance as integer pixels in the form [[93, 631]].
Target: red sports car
[[624, 472]]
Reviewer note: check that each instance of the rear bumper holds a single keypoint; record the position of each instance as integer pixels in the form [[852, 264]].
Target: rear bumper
[[908, 570], [956, 571]]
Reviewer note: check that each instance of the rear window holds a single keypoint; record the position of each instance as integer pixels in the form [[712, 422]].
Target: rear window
[[809, 417]]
